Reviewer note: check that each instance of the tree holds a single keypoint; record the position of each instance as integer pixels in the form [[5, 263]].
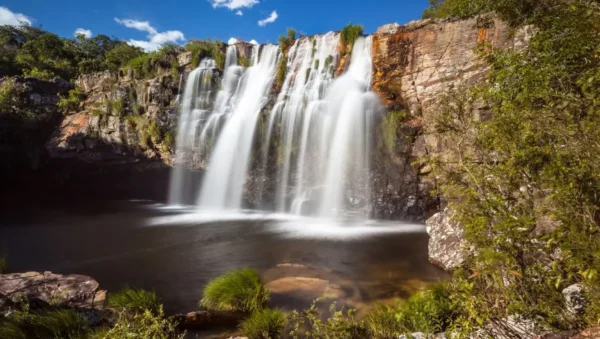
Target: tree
[[121, 54]]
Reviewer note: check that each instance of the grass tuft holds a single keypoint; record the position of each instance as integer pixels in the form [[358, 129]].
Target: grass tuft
[[264, 324], [241, 290], [134, 300]]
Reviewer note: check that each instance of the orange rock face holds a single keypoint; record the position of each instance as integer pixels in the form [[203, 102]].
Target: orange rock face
[[416, 63]]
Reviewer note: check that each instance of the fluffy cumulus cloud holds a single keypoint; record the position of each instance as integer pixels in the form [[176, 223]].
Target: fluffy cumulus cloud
[[7, 17], [240, 13], [270, 19], [85, 32], [233, 4], [155, 38]]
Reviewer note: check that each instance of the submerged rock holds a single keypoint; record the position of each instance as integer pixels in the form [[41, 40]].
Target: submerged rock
[[445, 240], [47, 288], [203, 320]]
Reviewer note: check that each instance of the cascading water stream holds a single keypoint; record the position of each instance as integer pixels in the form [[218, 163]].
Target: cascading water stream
[[223, 183], [319, 130], [195, 103], [322, 127]]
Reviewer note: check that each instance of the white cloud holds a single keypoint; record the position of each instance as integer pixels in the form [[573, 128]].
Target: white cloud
[[143, 26], [254, 42], [270, 19], [233, 4], [232, 41], [12, 19], [240, 13], [155, 38], [85, 32]]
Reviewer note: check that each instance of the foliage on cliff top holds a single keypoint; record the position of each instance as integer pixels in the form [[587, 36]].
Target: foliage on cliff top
[[202, 49], [149, 64], [520, 167], [27, 50], [349, 35], [242, 290]]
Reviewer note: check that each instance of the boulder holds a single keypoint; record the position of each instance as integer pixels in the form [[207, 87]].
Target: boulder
[[47, 288], [446, 244], [575, 299]]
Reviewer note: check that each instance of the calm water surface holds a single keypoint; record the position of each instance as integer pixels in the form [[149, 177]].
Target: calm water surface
[[176, 251]]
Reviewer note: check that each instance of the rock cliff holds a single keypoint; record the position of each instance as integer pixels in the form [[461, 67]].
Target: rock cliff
[[125, 119], [414, 65]]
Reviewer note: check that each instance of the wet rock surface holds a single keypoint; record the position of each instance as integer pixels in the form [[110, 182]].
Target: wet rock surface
[[47, 288], [445, 241]]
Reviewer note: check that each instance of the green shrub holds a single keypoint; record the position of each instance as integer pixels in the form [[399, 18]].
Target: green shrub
[[72, 102], [43, 74], [388, 129], [281, 71], [264, 324], [117, 107], [241, 290], [144, 325], [349, 35], [340, 324], [11, 330], [10, 96], [3, 265], [134, 300], [56, 324], [243, 61]]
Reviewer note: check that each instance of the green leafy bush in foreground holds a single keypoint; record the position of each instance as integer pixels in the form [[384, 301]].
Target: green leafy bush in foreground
[[429, 311], [63, 324], [242, 290], [340, 324], [134, 300], [264, 324], [146, 325]]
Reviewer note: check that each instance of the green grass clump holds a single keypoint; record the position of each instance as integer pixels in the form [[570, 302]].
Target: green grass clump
[[241, 290], [134, 300], [264, 324], [145, 325], [63, 324], [429, 311]]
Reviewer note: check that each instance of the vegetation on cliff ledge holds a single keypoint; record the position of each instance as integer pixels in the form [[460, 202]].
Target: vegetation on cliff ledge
[[521, 169]]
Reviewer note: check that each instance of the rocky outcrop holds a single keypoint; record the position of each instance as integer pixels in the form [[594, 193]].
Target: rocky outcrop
[[47, 288], [446, 244], [414, 65], [122, 118]]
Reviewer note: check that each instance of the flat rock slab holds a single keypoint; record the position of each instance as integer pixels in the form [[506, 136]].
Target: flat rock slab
[[78, 291]]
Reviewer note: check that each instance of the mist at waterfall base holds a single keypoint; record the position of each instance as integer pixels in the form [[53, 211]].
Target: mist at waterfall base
[[304, 151]]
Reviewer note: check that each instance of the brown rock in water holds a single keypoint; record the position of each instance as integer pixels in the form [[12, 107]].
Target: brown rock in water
[[445, 241], [47, 288]]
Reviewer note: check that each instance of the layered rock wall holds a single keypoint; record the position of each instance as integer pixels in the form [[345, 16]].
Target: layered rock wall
[[414, 65]]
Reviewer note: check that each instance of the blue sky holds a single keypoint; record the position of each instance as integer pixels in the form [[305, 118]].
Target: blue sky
[[151, 22]]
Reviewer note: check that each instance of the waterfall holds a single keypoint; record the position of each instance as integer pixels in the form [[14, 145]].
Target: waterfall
[[316, 137], [195, 105], [322, 129], [223, 182]]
